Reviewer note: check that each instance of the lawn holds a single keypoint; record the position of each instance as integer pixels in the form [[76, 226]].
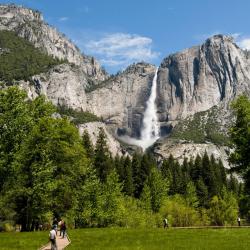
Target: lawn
[[190, 239], [27, 241], [120, 238]]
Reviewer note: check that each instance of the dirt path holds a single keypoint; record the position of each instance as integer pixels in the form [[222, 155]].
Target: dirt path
[[61, 243]]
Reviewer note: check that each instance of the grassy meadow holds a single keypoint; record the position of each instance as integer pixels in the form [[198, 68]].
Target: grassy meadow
[[121, 238], [25, 241]]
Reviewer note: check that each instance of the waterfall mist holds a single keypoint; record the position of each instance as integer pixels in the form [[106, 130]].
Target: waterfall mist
[[150, 127]]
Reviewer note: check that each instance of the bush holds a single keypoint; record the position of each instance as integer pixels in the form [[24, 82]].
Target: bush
[[178, 213], [7, 226]]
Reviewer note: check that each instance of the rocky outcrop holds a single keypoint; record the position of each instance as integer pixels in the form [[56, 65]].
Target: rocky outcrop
[[185, 149], [30, 25], [63, 84], [121, 100], [201, 77], [93, 130], [191, 81]]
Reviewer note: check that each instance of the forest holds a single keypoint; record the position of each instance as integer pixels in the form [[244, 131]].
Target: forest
[[48, 170], [20, 60]]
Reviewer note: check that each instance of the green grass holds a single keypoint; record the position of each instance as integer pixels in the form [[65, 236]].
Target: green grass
[[151, 239], [27, 241]]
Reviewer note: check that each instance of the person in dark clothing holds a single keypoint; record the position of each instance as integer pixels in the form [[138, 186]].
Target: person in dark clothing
[[55, 224], [63, 229]]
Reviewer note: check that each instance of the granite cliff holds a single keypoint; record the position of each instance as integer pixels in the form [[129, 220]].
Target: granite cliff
[[197, 82]]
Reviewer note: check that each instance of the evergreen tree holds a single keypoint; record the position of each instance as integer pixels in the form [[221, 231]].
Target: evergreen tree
[[167, 166], [240, 137], [136, 168], [202, 192], [128, 179], [209, 176], [102, 161], [88, 145], [145, 168], [196, 170], [233, 184]]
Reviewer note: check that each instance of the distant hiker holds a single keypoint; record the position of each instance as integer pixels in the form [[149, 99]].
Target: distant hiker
[[165, 223], [59, 226], [55, 224], [238, 220], [63, 229], [40, 227], [52, 238]]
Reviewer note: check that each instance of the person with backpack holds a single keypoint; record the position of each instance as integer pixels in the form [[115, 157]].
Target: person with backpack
[[52, 238]]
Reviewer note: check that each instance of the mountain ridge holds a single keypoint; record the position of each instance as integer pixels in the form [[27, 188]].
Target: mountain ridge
[[190, 81]]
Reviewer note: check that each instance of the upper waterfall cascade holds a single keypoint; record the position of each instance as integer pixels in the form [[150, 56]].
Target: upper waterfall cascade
[[150, 130]]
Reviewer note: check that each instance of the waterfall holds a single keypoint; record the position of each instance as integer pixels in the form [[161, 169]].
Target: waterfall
[[150, 127]]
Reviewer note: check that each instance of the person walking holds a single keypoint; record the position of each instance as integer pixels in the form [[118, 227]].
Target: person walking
[[63, 229], [59, 226], [55, 224], [165, 223], [238, 220], [52, 238]]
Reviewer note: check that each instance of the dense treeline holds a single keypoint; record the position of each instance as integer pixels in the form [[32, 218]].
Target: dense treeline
[[47, 170], [19, 59]]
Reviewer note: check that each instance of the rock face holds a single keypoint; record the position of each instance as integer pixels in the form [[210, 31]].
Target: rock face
[[63, 84], [121, 101], [93, 130], [188, 82], [29, 24], [181, 149], [198, 78]]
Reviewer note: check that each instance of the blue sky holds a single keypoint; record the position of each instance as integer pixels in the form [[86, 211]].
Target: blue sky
[[119, 32]]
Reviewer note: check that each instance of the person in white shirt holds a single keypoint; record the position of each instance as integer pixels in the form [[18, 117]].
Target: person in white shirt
[[238, 221], [52, 238]]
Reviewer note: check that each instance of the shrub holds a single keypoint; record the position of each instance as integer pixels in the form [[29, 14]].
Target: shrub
[[179, 213]]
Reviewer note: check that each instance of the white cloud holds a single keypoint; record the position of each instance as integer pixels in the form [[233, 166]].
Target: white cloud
[[63, 19], [122, 49], [244, 43]]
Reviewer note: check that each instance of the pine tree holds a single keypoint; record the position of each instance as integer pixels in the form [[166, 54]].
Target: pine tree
[[118, 163], [202, 192], [88, 145], [102, 159], [128, 179], [145, 168], [167, 166], [196, 170], [136, 168]]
